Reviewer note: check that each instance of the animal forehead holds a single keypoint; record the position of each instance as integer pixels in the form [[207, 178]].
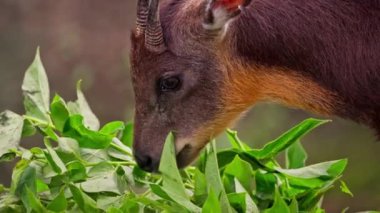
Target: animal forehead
[[165, 63], [147, 72]]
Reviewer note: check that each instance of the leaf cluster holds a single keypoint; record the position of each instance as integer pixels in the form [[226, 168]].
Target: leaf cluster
[[87, 168]]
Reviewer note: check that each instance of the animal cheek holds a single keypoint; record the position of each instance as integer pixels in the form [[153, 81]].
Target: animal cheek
[[187, 151], [181, 143]]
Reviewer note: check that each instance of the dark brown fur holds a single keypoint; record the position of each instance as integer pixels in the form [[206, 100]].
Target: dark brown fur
[[318, 55], [335, 42]]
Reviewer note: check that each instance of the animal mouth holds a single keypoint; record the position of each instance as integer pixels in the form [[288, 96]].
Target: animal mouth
[[187, 155]]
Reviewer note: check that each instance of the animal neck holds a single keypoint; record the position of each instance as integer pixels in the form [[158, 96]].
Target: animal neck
[[247, 84], [320, 57]]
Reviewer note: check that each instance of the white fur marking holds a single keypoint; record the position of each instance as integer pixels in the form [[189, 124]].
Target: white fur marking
[[221, 17], [181, 143]]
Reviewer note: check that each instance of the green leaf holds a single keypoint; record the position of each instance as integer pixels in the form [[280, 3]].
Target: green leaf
[[127, 136], [48, 131], [101, 169], [68, 150], [212, 204], [227, 156], [271, 149], [41, 186], [102, 178], [319, 210], [172, 181], [118, 145], [10, 204], [312, 199], [279, 205], [59, 203], [293, 207], [235, 141], [229, 184], [10, 133], [18, 170], [117, 154], [81, 107], [112, 128], [68, 145], [200, 187], [131, 204], [85, 203], [28, 129], [36, 91], [296, 156], [265, 184], [59, 112], [330, 169], [159, 191], [213, 177], [53, 159], [27, 190], [27, 179], [242, 171], [85, 137], [302, 185], [168, 168], [94, 155], [344, 188], [168, 194], [56, 184], [115, 210], [31, 201], [107, 202], [103, 183], [237, 201], [241, 200], [76, 171]]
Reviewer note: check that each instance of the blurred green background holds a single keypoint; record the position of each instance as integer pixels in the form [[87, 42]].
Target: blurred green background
[[89, 40]]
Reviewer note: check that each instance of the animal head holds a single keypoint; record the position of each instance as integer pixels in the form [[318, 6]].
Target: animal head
[[198, 64], [179, 77]]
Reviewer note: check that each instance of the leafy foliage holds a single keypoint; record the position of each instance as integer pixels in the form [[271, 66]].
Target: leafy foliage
[[84, 169]]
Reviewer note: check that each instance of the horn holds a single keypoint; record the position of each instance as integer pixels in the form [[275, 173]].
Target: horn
[[154, 37], [142, 16]]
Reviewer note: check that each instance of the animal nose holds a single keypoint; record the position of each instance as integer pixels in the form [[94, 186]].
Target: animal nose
[[146, 162]]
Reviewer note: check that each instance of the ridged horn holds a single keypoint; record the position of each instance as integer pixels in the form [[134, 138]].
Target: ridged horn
[[142, 16], [154, 37]]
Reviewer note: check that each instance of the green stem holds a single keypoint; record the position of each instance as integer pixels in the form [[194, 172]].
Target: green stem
[[118, 148], [39, 121], [116, 163], [118, 145], [124, 163], [146, 193], [189, 186]]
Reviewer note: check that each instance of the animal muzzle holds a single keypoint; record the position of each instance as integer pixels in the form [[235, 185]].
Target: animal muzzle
[[147, 152], [148, 157]]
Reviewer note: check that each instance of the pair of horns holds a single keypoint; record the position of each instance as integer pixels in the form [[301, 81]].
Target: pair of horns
[[149, 25]]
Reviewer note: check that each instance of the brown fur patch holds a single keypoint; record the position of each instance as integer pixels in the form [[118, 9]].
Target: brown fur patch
[[247, 84]]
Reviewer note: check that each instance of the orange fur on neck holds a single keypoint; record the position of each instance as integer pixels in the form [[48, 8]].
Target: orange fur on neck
[[247, 84]]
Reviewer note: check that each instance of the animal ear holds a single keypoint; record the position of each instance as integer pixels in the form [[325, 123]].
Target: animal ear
[[219, 12]]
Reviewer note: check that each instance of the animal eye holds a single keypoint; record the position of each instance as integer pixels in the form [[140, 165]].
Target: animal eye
[[170, 84]]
